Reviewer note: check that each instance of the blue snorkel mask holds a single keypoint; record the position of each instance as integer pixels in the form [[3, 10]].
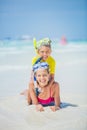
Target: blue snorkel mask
[[39, 65]]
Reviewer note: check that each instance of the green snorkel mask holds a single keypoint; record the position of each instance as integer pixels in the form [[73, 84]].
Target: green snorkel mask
[[43, 42]]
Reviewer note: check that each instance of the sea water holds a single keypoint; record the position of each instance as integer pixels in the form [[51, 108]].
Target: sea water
[[15, 65]]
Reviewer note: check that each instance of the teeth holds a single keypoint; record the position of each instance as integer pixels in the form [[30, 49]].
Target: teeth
[[44, 57], [42, 81]]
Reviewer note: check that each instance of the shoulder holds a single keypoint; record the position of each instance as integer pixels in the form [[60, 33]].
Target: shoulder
[[34, 59], [55, 86], [50, 58]]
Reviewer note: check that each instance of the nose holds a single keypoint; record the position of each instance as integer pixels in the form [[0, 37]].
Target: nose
[[42, 77], [45, 54]]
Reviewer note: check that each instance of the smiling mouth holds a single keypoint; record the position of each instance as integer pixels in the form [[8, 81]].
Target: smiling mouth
[[45, 57], [43, 81]]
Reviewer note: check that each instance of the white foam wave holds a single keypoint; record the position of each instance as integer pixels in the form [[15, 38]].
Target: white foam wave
[[56, 48]]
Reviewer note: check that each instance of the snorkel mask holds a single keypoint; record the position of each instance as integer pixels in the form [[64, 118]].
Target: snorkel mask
[[43, 42], [39, 65]]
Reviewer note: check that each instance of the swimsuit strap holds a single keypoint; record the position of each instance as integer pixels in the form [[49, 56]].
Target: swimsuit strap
[[38, 60]]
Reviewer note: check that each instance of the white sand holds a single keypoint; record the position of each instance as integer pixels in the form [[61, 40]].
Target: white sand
[[71, 73], [15, 114]]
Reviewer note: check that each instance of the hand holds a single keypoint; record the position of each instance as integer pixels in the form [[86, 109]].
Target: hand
[[39, 107], [54, 108]]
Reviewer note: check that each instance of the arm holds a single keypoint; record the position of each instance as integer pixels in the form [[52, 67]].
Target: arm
[[32, 77], [52, 65], [51, 80], [56, 97], [33, 94], [34, 99]]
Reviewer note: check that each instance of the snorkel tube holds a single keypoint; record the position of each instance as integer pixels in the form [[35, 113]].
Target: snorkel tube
[[35, 44]]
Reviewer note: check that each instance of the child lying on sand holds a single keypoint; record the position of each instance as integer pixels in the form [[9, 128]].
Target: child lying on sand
[[43, 94]]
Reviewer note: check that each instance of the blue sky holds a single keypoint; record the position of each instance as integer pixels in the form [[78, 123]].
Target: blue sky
[[43, 18]]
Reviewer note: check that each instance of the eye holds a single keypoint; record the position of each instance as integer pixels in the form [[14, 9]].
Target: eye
[[47, 52], [42, 51], [39, 75], [45, 75]]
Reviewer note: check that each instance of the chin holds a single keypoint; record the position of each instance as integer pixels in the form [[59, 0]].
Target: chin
[[45, 58], [42, 85]]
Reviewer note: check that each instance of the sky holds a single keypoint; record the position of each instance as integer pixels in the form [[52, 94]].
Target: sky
[[43, 18]]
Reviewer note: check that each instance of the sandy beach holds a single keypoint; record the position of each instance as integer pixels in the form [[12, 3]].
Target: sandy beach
[[71, 73]]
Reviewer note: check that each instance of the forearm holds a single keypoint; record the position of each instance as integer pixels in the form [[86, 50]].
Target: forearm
[[57, 101], [33, 94], [51, 80], [57, 95], [32, 77], [33, 97], [57, 105], [39, 107]]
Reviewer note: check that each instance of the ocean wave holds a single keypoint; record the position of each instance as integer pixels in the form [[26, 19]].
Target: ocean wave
[[70, 47]]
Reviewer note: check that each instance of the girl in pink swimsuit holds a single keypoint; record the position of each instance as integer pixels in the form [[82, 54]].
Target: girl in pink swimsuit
[[43, 94], [45, 102]]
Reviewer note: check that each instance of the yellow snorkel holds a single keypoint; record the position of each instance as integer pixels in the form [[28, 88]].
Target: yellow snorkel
[[35, 44]]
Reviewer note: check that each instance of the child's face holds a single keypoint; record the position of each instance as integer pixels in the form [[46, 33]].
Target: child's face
[[44, 52], [42, 77]]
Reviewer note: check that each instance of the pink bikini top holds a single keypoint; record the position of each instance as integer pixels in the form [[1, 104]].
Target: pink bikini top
[[46, 101]]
